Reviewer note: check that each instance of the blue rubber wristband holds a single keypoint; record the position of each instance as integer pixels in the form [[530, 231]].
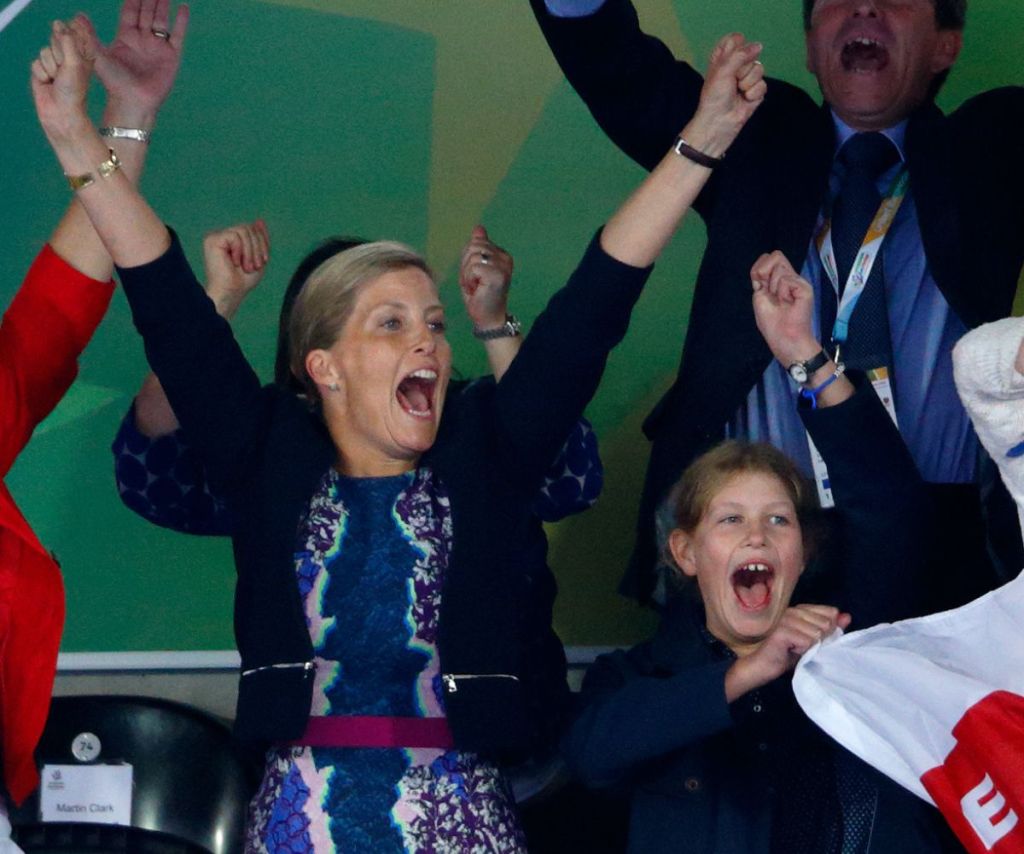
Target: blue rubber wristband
[[811, 394]]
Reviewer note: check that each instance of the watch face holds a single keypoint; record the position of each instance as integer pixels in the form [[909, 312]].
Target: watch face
[[801, 371]]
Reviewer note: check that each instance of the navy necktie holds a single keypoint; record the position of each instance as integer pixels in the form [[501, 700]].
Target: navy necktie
[[862, 160]]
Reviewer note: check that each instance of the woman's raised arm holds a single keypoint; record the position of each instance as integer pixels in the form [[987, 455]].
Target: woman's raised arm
[[211, 386], [733, 89], [63, 299], [560, 364], [137, 70], [127, 227]]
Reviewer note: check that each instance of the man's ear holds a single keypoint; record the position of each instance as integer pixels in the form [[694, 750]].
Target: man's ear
[[321, 369], [809, 62], [947, 49], [681, 547]]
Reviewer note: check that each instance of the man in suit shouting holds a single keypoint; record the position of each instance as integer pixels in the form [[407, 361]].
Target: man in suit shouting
[[908, 223]]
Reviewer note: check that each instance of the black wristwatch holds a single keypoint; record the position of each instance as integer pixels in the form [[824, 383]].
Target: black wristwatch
[[509, 329], [802, 371]]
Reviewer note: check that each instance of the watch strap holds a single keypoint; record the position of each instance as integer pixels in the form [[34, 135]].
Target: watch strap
[[509, 329], [684, 149]]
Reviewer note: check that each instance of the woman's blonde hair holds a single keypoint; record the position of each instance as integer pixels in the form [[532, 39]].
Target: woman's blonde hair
[[326, 301]]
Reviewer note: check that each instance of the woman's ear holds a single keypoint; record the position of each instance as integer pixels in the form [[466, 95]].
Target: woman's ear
[[680, 545], [321, 369]]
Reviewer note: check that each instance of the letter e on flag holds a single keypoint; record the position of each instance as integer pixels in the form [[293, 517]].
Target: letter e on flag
[[980, 785]]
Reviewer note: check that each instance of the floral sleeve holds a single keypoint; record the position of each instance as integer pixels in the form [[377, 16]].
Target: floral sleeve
[[575, 479], [163, 481]]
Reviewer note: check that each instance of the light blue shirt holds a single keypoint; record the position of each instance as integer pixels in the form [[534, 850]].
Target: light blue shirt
[[924, 329], [573, 8]]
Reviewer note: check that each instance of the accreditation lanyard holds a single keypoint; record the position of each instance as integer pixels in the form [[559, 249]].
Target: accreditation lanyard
[[860, 271], [862, 265]]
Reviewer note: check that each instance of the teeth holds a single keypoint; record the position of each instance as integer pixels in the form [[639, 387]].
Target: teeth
[[863, 40], [756, 567], [424, 374]]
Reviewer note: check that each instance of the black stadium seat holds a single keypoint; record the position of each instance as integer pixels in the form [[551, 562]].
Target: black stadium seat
[[191, 782]]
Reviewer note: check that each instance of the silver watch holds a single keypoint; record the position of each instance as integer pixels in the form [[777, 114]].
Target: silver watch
[[801, 371], [509, 329]]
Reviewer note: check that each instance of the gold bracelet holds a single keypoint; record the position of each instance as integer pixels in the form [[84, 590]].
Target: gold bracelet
[[107, 168]]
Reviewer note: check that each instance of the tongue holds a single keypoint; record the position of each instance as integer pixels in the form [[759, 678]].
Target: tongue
[[754, 596], [415, 398], [865, 57]]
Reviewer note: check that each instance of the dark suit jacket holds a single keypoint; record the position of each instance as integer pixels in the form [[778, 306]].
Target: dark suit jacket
[[964, 174], [266, 451]]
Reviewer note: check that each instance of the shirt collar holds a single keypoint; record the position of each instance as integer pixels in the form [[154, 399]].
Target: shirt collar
[[896, 134]]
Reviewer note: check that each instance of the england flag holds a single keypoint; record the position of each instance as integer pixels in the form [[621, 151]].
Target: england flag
[[937, 704]]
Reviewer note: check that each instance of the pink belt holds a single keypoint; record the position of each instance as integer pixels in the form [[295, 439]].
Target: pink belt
[[374, 731]]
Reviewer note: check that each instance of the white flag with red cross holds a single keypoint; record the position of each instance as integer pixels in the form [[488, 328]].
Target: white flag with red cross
[[937, 704]]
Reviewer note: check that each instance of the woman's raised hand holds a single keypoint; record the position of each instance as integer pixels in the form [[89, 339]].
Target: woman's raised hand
[[485, 275], [734, 87], [783, 309], [236, 259], [137, 69], [139, 66], [127, 227], [60, 81]]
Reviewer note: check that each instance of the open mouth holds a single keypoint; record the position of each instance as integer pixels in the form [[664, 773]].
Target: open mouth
[[415, 393], [863, 55], [752, 584]]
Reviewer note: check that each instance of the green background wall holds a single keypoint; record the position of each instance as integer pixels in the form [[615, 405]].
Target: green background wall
[[412, 119]]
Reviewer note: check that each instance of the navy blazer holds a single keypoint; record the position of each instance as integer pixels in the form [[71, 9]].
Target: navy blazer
[[502, 665]]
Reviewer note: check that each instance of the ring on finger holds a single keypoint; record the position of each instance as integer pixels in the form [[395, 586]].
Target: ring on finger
[[160, 34]]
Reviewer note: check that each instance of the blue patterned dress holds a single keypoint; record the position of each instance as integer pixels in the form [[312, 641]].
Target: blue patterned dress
[[369, 562]]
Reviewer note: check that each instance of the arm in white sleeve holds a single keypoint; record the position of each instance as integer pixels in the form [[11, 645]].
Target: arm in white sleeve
[[992, 390]]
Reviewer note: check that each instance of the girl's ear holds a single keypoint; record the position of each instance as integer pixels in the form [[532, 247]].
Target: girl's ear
[[681, 547]]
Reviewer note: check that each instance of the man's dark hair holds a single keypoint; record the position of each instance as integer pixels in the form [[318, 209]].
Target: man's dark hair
[[949, 14]]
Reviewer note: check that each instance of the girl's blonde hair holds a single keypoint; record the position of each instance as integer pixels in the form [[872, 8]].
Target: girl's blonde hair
[[706, 475]]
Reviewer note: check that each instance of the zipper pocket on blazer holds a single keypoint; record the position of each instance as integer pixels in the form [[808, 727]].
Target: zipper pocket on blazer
[[308, 666], [451, 680]]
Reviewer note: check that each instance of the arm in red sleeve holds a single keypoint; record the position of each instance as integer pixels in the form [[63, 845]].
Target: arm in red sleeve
[[46, 327]]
